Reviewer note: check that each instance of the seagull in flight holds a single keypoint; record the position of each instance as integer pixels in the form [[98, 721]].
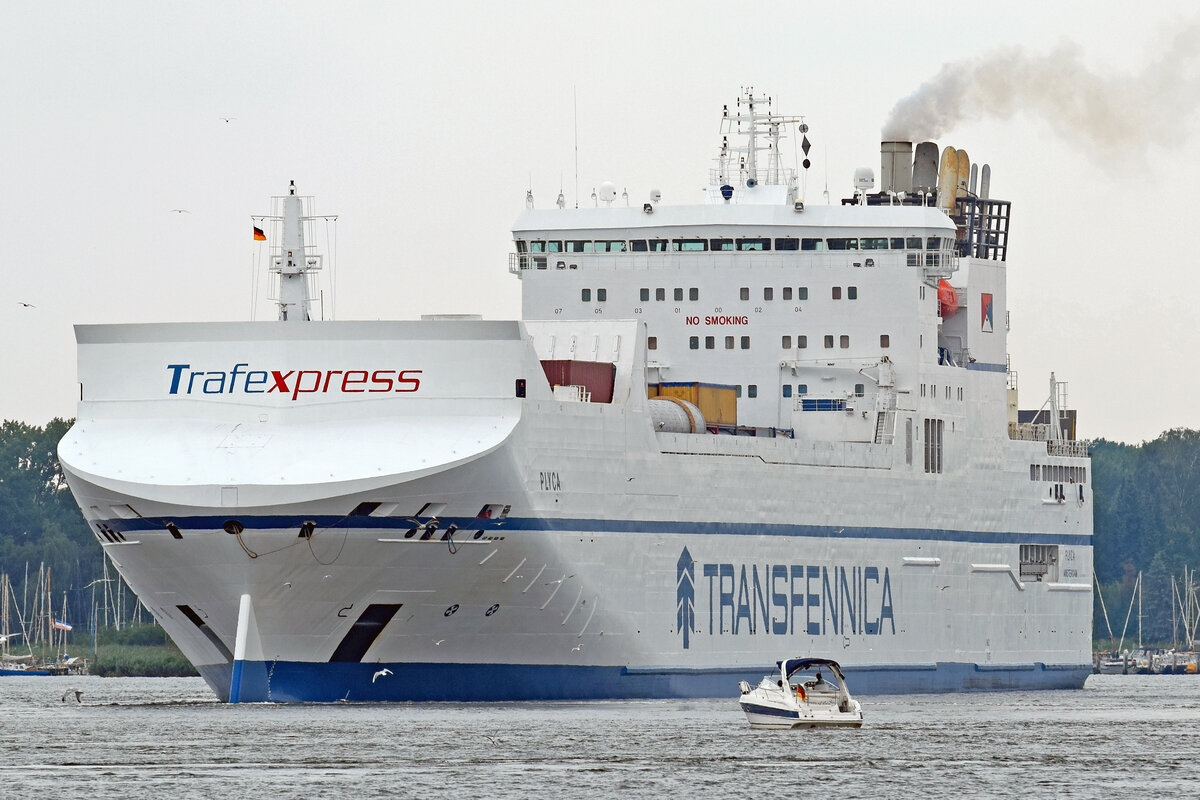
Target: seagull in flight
[[383, 673], [180, 211], [438, 642], [27, 305], [228, 119], [78, 694]]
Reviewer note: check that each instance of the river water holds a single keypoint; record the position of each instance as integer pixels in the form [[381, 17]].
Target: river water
[[1121, 736]]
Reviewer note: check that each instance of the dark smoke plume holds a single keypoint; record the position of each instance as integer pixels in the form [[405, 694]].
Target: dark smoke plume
[[1106, 114]]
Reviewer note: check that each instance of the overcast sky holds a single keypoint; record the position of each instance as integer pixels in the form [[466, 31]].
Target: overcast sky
[[422, 128]]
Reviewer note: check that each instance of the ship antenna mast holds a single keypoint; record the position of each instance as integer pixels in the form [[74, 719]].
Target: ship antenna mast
[[291, 259]]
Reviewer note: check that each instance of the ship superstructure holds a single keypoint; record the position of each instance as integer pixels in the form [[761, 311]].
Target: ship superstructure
[[720, 432]]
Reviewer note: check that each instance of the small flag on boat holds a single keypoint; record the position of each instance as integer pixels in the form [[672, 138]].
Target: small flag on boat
[[259, 236], [59, 625]]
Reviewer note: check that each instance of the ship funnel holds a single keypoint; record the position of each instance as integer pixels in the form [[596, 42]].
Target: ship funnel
[[925, 168], [896, 167]]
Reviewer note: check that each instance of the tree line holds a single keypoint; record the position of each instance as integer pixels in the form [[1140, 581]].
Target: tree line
[[1146, 496]]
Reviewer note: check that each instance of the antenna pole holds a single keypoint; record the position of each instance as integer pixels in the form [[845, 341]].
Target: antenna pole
[[575, 102]]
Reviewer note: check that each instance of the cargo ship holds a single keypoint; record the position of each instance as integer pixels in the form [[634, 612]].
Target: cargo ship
[[720, 432]]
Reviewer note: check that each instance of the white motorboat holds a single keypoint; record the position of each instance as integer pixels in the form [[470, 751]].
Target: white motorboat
[[801, 696]]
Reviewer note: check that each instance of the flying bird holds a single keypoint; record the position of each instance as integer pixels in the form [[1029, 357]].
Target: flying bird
[[78, 694], [438, 642], [180, 211], [27, 305], [383, 673], [228, 119]]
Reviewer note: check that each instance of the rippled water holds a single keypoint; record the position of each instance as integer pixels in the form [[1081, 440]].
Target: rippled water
[[1120, 736]]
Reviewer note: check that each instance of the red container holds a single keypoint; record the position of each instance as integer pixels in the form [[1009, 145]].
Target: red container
[[595, 376]]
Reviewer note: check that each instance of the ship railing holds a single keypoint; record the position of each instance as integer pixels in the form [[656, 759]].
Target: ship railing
[[1067, 447], [763, 177], [1029, 432]]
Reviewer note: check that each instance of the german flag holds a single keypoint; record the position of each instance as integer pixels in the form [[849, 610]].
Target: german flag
[[259, 236]]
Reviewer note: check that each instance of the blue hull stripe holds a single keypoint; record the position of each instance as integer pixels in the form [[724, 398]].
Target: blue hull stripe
[[767, 711], [468, 525], [309, 682]]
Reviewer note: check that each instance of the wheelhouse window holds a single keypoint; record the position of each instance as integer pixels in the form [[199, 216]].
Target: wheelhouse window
[[843, 244], [545, 247], [689, 245], [787, 244], [753, 244], [721, 244], [933, 243], [897, 243], [638, 245], [610, 247], [812, 244], [658, 245], [912, 243], [522, 247], [873, 244], [575, 246]]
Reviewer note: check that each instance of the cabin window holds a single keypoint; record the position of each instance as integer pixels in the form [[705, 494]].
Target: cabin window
[[585, 295], [657, 245], [613, 247], [545, 247], [577, 246], [801, 388], [860, 390], [897, 243], [689, 245], [933, 243], [787, 293], [752, 390], [638, 245], [914, 259], [873, 244], [787, 244], [844, 341], [601, 295], [843, 244], [837, 293], [678, 295], [693, 294], [539, 262], [787, 390], [652, 343], [912, 243], [812, 244], [710, 342], [694, 343], [745, 342], [737, 391], [802, 342], [829, 342], [728, 342], [744, 293], [852, 292], [787, 343], [644, 295], [768, 293], [885, 340], [721, 244], [521, 246], [753, 244], [660, 294], [802, 293]]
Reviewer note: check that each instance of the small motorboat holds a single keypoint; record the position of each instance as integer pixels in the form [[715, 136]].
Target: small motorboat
[[805, 693]]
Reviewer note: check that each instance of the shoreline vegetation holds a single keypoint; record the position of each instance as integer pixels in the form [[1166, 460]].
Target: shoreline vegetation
[[141, 651]]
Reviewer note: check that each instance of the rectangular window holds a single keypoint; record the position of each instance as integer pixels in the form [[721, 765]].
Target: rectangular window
[[912, 243], [678, 295], [843, 244], [576, 246], [914, 259], [933, 243], [752, 390], [660, 294], [539, 262], [652, 343], [753, 244], [851, 292], [860, 390], [737, 391], [537, 247], [812, 244], [802, 342], [873, 244], [885, 340], [787, 343], [787, 293], [768, 293], [721, 244], [693, 294], [611, 247], [728, 342], [934, 431], [585, 295], [745, 342], [802, 293], [828, 342], [787, 390], [694, 343], [710, 342], [521, 246], [837, 293], [689, 245], [644, 295], [844, 341], [638, 245], [744, 293], [658, 245], [787, 244], [601, 295], [802, 388], [897, 243]]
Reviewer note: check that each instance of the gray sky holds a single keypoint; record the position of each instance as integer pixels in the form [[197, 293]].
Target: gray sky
[[422, 127]]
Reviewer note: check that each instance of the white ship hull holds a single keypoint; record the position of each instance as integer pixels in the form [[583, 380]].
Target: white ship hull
[[613, 561]]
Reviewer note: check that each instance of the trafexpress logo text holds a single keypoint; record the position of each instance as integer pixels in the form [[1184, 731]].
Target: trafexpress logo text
[[185, 380]]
